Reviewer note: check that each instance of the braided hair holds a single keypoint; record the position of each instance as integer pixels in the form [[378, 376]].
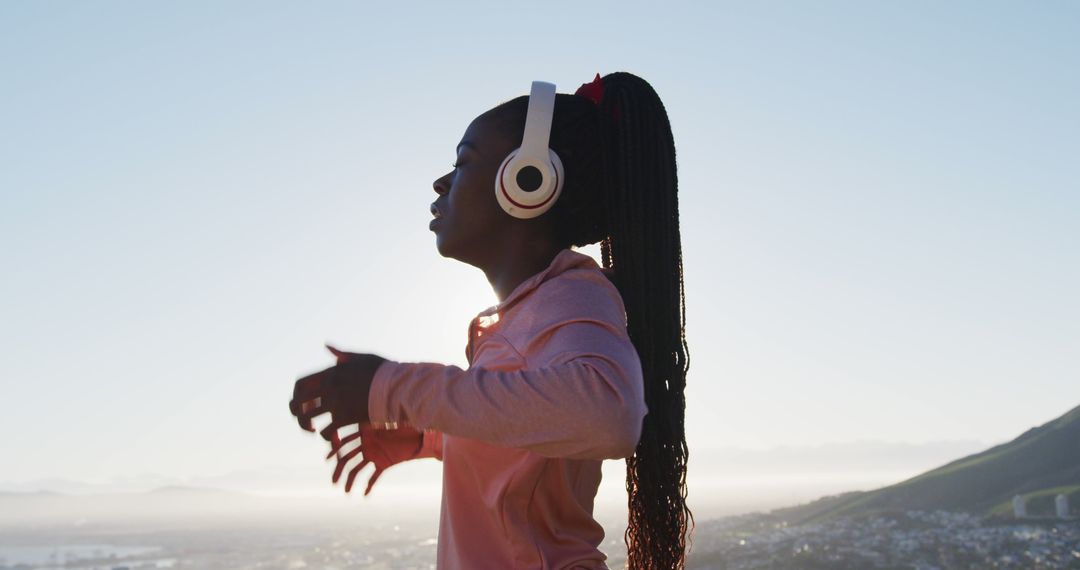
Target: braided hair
[[621, 190]]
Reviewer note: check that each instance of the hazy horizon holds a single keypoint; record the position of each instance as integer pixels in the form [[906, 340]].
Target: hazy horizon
[[722, 483]]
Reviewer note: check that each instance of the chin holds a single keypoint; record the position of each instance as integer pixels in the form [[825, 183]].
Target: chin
[[444, 248]]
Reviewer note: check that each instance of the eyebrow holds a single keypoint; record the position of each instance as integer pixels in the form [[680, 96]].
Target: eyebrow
[[468, 144]]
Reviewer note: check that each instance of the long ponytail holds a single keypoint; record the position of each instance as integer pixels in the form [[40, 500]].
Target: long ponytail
[[644, 251]]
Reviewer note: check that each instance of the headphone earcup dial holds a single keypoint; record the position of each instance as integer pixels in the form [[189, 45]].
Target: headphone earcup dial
[[527, 188]]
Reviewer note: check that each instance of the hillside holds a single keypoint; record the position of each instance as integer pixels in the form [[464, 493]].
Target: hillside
[[1041, 461]]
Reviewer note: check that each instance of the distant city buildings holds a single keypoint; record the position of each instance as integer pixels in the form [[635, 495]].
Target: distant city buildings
[[939, 540], [1019, 507], [1061, 506]]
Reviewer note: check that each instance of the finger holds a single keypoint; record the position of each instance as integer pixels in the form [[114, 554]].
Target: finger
[[308, 410], [308, 406], [312, 385], [329, 433], [302, 406], [371, 482], [305, 423], [353, 473], [335, 443], [342, 357], [344, 460], [341, 443]]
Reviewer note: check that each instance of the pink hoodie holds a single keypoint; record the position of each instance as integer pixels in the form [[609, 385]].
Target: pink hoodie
[[554, 387]]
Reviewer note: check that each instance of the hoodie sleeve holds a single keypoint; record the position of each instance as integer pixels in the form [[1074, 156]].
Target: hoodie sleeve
[[580, 394]]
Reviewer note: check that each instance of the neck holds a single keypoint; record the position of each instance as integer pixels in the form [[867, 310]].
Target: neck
[[518, 262]]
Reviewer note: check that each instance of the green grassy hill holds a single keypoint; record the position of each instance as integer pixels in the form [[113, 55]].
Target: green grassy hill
[[1038, 464]]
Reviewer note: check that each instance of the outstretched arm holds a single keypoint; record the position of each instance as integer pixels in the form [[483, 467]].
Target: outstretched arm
[[581, 395]]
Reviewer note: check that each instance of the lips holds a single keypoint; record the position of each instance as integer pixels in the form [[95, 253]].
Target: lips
[[437, 216]]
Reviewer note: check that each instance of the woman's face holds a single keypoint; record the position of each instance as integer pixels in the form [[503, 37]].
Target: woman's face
[[468, 221]]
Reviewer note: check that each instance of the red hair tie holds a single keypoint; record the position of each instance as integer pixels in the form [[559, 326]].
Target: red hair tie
[[595, 92]]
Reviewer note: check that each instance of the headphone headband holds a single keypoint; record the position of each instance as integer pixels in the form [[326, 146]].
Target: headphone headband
[[534, 143]]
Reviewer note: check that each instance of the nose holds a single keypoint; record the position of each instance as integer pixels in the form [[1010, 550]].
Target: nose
[[440, 186]]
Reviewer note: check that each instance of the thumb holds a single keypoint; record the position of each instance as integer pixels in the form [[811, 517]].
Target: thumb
[[341, 356]]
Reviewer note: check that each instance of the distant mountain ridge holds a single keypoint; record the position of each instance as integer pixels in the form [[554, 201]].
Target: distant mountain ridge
[[1042, 459]]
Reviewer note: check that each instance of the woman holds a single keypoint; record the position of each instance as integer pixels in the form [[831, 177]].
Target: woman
[[574, 365]]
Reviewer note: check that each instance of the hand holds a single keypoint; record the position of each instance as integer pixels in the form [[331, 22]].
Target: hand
[[341, 390], [383, 447]]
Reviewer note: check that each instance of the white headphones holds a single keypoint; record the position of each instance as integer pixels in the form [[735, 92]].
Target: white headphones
[[531, 176]]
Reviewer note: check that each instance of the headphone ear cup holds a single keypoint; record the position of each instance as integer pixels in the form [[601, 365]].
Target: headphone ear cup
[[530, 178], [528, 204], [560, 177]]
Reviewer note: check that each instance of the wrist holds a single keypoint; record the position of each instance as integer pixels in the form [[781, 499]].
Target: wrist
[[379, 396]]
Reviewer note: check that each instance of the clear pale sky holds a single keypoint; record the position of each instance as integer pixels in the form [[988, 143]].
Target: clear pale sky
[[879, 202]]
